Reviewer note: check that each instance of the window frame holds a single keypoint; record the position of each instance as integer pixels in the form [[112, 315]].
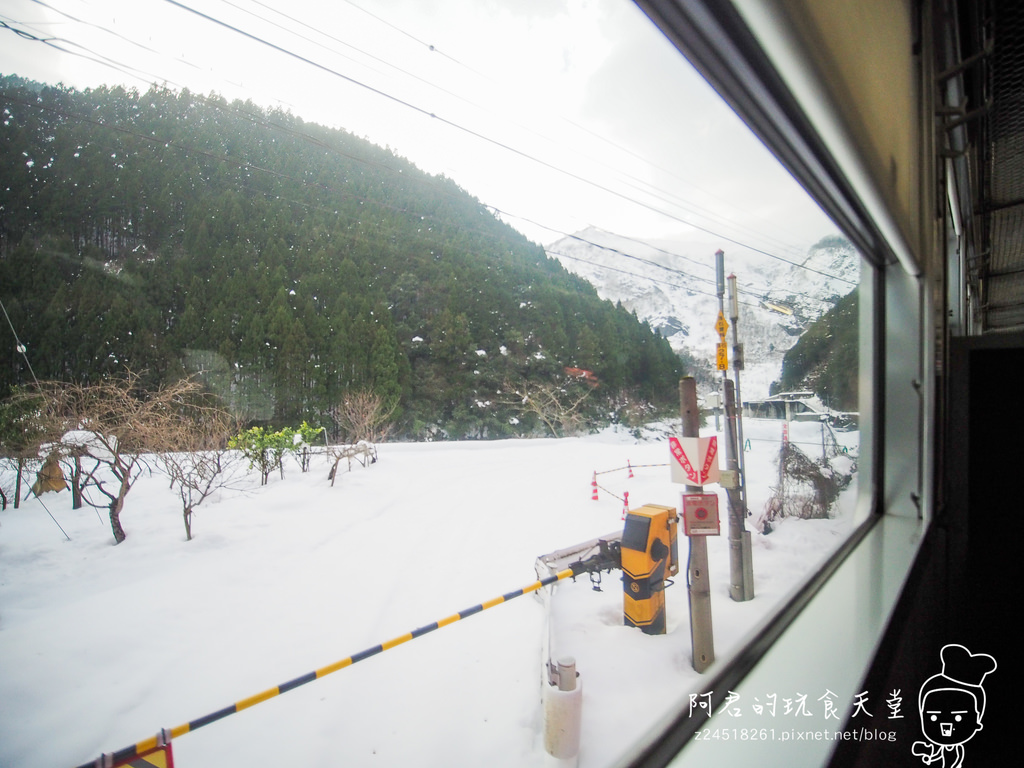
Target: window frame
[[868, 571]]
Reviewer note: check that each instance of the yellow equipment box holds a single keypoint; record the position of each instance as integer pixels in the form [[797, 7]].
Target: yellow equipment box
[[650, 555]]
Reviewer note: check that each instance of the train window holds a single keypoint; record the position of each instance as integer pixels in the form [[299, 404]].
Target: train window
[[499, 128]]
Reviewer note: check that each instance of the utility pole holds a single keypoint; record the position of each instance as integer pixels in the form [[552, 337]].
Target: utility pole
[[698, 581], [741, 567], [737, 366], [741, 581]]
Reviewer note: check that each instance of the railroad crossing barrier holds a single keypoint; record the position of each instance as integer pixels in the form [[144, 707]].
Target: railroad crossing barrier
[[161, 742]]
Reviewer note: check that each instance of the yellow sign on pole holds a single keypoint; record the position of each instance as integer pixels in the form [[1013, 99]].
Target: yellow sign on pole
[[722, 356], [721, 325]]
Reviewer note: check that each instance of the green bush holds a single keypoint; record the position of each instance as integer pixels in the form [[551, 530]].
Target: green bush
[[264, 449]]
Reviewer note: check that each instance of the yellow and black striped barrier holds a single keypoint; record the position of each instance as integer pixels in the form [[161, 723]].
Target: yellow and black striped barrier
[[152, 744]]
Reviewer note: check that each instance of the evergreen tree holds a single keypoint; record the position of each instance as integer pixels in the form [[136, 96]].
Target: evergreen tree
[[162, 229]]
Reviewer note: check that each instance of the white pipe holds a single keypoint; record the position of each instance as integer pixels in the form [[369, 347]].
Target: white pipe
[[563, 713]]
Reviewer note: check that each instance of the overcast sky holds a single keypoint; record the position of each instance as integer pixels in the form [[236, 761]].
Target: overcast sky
[[563, 114]]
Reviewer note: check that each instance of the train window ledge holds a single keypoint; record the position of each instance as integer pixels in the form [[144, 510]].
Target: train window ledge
[[838, 615]]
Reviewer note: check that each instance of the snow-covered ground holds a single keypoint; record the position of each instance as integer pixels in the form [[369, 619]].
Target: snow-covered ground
[[102, 645]]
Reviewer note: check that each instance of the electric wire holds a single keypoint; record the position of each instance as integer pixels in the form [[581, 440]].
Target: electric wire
[[687, 288], [23, 34], [578, 237], [22, 349], [683, 203], [429, 46], [662, 195], [573, 236], [24, 353], [338, 40], [244, 165], [109, 31], [461, 128], [84, 53], [109, 62], [483, 137], [630, 180]]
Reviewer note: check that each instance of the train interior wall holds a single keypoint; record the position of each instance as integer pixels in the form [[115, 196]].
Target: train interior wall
[[962, 587]]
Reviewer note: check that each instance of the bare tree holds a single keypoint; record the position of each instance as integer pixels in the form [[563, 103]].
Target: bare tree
[[363, 415], [363, 420], [201, 465], [558, 407], [73, 475], [363, 452], [116, 425]]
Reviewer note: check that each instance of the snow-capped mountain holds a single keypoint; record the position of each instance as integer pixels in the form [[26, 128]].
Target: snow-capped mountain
[[672, 286]]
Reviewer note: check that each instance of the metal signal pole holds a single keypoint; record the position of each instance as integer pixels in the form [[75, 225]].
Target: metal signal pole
[[741, 581], [737, 366]]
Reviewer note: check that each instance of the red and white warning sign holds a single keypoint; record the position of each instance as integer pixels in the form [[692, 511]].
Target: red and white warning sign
[[694, 460], [700, 514]]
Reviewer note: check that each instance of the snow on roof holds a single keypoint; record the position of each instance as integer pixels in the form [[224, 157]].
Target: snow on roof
[[808, 395]]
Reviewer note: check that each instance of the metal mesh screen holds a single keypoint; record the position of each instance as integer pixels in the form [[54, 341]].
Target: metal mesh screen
[[1004, 276], [1007, 117]]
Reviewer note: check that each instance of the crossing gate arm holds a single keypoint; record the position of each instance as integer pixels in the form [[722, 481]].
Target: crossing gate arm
[[149, 745], [582, 556]]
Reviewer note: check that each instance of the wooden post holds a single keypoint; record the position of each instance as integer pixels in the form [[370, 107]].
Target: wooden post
[[697, 578]]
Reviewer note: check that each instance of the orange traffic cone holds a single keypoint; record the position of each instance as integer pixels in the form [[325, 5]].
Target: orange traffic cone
[[625, 504], [629, 467], [593, 483]]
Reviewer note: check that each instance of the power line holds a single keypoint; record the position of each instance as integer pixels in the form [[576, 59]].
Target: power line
[[649, 262], [658, 193], [387, 23], [678, 256], [337, 40], [89, 54], [26, 35], [473, 133], [107, 31], [488, 139], [242, 164], [688, 288], [22, 349], [631, 180]]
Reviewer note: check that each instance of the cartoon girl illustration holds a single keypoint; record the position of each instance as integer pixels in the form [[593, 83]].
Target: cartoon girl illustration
[[952, 704]]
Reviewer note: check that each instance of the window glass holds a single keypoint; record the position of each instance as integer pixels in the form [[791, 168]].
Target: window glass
[[300, 201]]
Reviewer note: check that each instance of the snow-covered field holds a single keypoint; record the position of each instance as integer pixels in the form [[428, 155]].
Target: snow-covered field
[[102, 645]]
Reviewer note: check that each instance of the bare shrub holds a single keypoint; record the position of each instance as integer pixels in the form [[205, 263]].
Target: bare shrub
[[363, 415], [363, 452], [115, 426], [806, 490], [201, 465], [557, 406]]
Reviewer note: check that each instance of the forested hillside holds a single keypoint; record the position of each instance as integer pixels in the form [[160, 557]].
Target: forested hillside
[[289, 264], [825, 358]]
